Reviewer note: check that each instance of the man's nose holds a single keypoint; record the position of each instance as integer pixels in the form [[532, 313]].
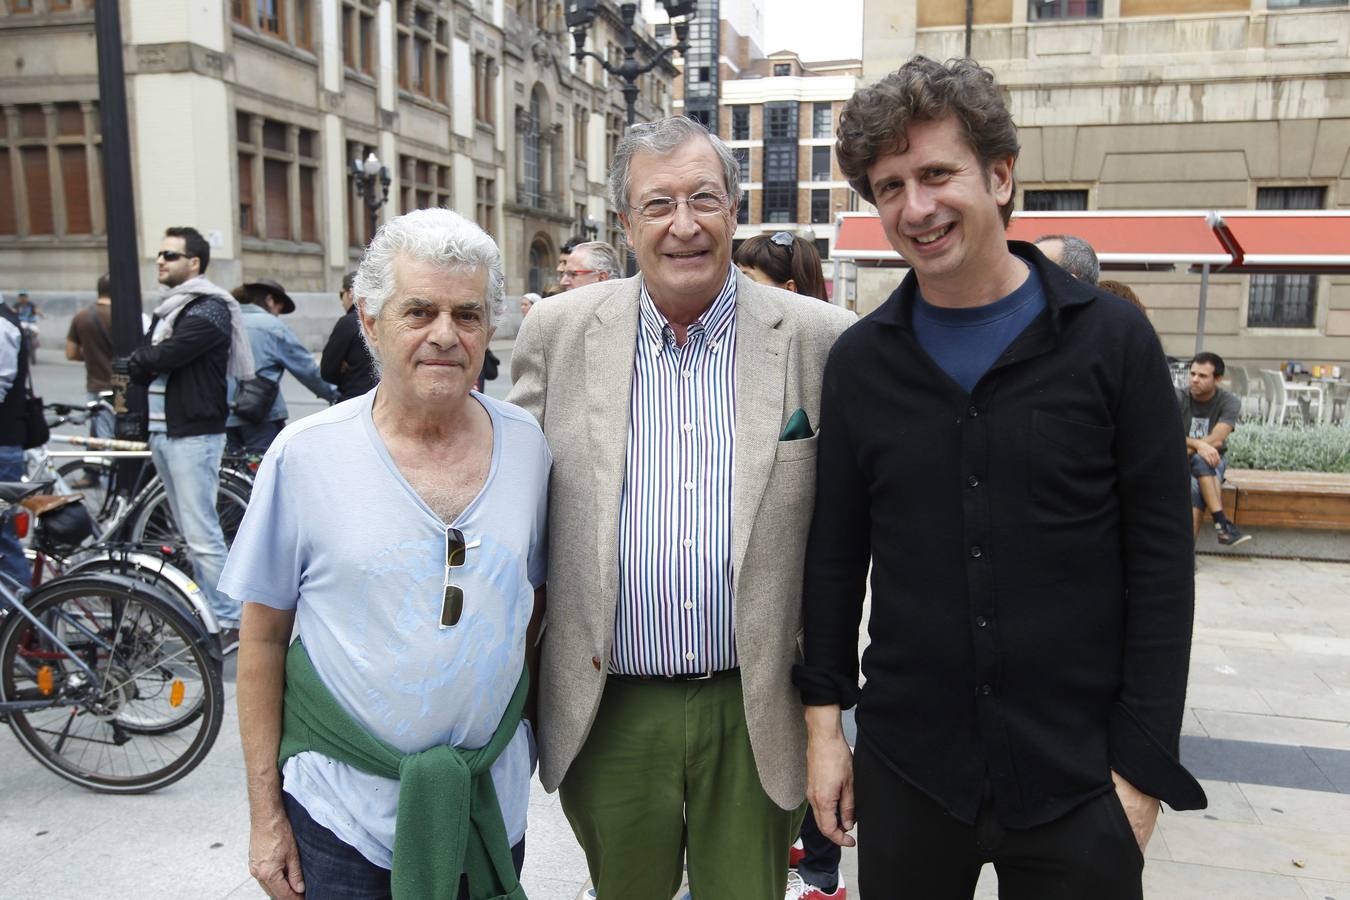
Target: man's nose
[[443, 331], [684, 222], [918, 205]]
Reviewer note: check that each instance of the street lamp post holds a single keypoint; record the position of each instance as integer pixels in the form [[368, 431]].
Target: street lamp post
[[580, 16], [364, 176]]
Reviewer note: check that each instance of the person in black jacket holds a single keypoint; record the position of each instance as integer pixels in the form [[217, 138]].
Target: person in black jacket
[[1000, 441], [346, 362], [197, 340], [15, 358]]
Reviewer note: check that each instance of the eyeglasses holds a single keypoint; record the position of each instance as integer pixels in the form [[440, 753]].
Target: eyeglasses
[[170, 255], [573, 273], [783, 239], [700, 203], [452, 597]]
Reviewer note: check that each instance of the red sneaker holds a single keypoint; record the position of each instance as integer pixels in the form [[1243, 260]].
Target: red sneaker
[[800, 890], [795, 853]]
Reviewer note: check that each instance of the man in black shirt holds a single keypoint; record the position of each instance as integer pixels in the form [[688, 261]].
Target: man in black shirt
[[1209, 415], [999, 440], [346, 361]]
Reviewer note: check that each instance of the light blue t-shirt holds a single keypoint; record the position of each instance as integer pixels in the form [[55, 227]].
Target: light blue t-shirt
[[335, 532]]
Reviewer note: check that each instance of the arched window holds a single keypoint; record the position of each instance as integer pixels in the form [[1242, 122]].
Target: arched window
[[542, 264], [529, 188]]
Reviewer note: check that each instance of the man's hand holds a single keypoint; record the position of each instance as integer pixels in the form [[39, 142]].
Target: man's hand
[[1140, 809], [1208, 452], [829, 775], [273, 858]]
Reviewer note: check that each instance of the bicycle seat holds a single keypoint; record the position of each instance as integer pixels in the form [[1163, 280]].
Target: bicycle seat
[[14, 491]]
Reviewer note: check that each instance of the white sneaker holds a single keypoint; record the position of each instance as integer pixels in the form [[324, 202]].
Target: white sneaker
[[800, 890]]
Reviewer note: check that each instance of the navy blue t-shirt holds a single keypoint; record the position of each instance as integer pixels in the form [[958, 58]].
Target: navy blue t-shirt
[[966, 341]]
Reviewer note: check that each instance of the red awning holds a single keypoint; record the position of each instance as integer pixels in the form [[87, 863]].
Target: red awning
[[1232, 241]]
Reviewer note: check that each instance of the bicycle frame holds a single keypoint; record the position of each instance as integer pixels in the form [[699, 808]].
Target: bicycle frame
[[10, 595]]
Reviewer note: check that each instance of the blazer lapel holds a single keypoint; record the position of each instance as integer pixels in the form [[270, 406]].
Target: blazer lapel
[[610, 349], [761, 376]]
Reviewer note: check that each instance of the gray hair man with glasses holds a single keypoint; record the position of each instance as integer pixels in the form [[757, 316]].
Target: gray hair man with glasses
[[678, 405], [401, 534], [590, 263]]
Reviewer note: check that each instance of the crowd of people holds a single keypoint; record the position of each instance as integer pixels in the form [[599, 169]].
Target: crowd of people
[[646, 572]]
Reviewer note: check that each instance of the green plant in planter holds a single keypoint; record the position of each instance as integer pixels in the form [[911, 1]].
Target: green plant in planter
[[1290, 448]]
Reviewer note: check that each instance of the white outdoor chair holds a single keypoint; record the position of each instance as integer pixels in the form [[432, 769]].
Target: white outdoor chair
[[1239, 381], [1286, 396]]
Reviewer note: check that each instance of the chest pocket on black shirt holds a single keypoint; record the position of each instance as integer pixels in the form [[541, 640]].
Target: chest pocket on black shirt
[[1073, 467]]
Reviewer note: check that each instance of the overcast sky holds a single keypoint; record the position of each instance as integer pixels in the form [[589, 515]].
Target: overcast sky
[[815, 30]]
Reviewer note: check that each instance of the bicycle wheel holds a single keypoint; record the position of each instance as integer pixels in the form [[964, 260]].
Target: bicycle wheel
[[90, 477], [153, 520], [155, 709]]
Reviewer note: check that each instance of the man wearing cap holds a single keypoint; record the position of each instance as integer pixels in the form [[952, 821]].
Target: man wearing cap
[[276, 351]]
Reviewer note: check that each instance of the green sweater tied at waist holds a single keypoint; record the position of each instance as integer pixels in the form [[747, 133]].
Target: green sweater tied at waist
[[449, 821]]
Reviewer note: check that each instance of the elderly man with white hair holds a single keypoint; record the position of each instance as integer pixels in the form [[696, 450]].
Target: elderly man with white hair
[[402, 535], [590, 263]]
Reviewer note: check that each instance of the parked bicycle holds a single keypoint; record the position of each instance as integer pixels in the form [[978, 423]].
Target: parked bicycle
[[103, 678]]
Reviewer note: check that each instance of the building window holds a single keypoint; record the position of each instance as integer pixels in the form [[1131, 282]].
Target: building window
[[270, 19], [278, 179], [780, 119], [423, 184], [291, 21], [484, 88], [820, 207], [823, 247], [1284, 301], [49, 165], [423, 51], [742, 155], [822, 120], [1054, 201], [780, 69], [542, 263], [820, 163], [1041, 10], [532, 181], [485, 204], [580, 125], [780, 203], [613, 132], [358, 35], [740, 123]]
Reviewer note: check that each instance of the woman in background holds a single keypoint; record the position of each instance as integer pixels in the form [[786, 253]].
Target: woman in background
[[792, 263], [784, 261]]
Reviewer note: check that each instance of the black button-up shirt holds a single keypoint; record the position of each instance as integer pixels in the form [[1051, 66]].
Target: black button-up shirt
[[1031, 552]]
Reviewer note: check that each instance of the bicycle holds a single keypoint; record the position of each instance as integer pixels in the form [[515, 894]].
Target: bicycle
[[104, 680]]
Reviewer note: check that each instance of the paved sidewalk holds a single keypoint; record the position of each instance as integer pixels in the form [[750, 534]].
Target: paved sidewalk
[[1267, 729]]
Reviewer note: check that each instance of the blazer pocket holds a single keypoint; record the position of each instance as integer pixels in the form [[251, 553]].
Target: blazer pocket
[[802, 448]]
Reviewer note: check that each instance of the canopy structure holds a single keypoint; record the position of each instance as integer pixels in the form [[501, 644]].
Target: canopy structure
[[1203, 241]]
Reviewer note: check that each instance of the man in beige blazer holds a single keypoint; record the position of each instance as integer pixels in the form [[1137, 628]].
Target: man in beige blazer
[[679, 406]]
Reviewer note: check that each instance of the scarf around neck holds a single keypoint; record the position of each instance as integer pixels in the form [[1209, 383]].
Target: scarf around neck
[[175, 298]]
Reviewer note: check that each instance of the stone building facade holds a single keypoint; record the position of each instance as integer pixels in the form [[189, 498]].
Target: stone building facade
[[246, 115], [1170, 104]]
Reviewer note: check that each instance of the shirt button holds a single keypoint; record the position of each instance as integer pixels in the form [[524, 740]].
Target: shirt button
[[689, 542], [688, 426], [690, 657], [689, 604], [973, 481], [688, 485], [986, 690], [981, 621], [688, 373], [976, 552], [972, 412]]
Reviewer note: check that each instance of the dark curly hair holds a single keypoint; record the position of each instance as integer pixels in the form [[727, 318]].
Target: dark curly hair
[[874, 121]]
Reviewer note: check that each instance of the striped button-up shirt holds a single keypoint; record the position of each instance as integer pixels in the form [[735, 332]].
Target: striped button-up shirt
[[675, 614]]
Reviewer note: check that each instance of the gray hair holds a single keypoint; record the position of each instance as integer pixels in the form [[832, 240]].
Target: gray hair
[[437, 236], [602, 256], [1078, 259], [660, 138]]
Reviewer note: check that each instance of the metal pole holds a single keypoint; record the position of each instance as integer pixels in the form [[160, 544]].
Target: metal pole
[[970, 24], [119, 201], [1200, 316]]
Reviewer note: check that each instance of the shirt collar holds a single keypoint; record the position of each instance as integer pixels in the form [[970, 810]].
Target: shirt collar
[[714, 322]]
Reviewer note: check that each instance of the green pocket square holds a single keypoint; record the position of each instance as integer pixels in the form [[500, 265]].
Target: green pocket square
[[798, 427]]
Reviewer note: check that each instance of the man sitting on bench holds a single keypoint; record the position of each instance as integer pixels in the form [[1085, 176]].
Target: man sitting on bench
[[1209, 414]]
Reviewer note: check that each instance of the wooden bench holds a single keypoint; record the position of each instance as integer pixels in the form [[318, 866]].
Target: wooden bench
[[1310, 500]]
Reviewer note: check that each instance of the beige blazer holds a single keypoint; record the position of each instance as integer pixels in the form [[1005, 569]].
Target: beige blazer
[[573, 369]]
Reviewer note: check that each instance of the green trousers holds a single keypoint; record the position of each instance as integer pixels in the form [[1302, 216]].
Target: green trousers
[[666, 773]]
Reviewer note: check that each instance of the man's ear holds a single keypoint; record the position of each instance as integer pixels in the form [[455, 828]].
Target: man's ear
[[627, 230], [367, 322], [1001, 179]]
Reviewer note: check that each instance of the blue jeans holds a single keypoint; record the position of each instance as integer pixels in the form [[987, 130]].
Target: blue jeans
[[335, 870], [102, 424], [1201, 469], [190, 470], [11, 551]]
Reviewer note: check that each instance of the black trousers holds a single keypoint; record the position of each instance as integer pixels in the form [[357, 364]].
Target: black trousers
[[910, 847]]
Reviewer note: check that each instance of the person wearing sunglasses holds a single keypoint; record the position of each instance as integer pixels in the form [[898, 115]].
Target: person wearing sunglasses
[[590, 263], [196, 343], [401, 535], [678, 404]]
